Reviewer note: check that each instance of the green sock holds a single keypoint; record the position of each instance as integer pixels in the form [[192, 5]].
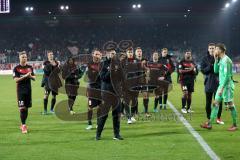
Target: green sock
[[213, 114], [234, 115]]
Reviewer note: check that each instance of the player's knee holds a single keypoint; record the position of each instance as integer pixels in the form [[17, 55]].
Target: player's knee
[[230, 105], [185, 94], [46, 94], [22, 109], [215, 103]]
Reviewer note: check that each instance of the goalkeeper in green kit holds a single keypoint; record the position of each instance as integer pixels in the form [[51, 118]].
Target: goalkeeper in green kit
[[225, 92]]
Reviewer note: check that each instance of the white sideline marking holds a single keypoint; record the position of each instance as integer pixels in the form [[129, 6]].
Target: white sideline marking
[[195, 134]]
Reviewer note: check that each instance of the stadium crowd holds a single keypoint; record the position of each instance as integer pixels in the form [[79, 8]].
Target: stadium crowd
[[38, 39]]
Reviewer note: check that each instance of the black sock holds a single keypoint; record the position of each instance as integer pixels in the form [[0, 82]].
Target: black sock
[[155, 103], [136, 111], [90, 113], [189, 102], [184, 102], [71, 100], [23, 115], [53, 103], [145, 103], [127, 108], [160, 101], [70, 104], [133, 111], [220, 111], [122, 107], [165, 98], [45, 102]]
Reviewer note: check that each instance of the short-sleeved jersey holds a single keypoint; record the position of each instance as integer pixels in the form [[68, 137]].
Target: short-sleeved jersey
[[224, 68], [167, 61], [157, 69], [71, 74], [188, 76], [19, 71], [93, 74], [48, 68]]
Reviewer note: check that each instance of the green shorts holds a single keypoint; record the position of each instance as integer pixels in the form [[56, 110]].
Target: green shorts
[[227, 95]]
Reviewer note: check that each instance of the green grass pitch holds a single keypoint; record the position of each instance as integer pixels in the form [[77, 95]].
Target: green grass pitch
[[51, 138]]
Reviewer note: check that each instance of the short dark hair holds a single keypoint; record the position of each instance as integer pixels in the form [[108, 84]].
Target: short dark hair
[[211, 44], [49, 51], [188, 50], [22, 53], [221, 46], [130, 49], [95, 49], [138, 48]]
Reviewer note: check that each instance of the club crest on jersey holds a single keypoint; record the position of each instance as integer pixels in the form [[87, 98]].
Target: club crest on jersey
[[116, 67]]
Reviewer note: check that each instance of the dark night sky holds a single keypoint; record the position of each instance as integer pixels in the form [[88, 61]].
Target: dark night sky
[[120, 6]]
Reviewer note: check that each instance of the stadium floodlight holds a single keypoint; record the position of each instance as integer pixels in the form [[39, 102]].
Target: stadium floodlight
[[234, 0], [134, 6], [139, 6], [62, 7], [227, 5], [26, 8], [29, 8]]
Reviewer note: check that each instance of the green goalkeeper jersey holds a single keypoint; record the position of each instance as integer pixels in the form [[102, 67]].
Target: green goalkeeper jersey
[[224, 69]]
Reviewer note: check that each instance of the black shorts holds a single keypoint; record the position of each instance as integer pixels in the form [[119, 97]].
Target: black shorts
[[48, 91], [93, 102], [24, 99], [71, 89], [187, 86]]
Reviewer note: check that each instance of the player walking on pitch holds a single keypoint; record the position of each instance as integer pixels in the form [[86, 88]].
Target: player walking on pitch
[[94, 84], [210, 81], [23, 74], [188, 71], [165, 59], [49, 66], [225, 91]]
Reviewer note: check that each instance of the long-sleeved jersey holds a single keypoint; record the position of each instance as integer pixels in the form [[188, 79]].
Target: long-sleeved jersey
[[224, 68]]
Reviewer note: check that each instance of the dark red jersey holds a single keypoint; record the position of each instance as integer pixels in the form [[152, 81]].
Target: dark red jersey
[[19, 71], [188, 74]]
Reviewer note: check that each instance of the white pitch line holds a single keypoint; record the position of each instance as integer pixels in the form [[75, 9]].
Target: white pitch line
[[195, 134]]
